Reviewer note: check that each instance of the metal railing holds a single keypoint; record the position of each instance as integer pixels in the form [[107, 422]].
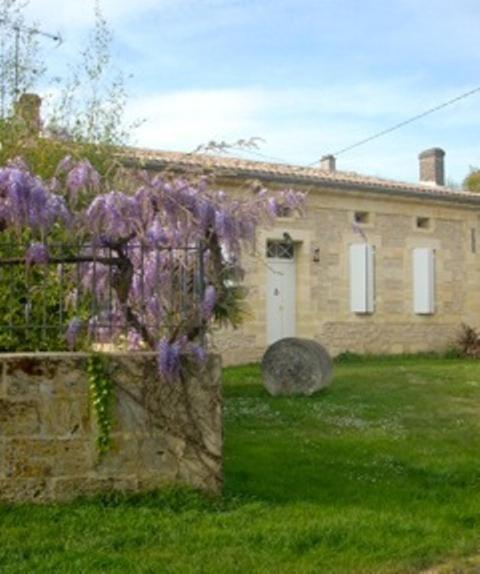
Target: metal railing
[[112, 290]]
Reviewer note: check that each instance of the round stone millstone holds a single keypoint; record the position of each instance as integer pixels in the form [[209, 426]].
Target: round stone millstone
[[295, 366]]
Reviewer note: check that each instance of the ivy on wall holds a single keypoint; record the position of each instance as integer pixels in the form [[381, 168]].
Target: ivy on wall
[[101, 395]]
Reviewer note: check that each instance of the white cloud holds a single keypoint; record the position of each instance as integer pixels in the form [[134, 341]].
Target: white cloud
[[68, 14], [183, 120], [301, 125]]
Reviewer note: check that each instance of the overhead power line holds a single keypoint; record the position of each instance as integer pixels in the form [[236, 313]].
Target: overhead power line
[[264, 156], [404, 123]]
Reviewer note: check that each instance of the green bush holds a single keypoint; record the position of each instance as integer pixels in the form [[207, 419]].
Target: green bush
[[472, 181]]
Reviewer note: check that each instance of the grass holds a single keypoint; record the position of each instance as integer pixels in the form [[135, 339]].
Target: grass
[[379, 473]]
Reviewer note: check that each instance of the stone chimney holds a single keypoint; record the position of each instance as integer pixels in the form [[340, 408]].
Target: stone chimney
[[27, 109], [327, 163], [432, 168]]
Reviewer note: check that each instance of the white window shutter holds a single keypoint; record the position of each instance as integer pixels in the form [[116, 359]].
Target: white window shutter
[[370, 278], [423, 281], [362, 278]]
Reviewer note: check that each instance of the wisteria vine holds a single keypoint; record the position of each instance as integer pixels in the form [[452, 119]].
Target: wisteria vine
[[134, 240]]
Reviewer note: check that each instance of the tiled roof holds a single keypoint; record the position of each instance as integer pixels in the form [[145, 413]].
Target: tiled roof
[[231, 167]]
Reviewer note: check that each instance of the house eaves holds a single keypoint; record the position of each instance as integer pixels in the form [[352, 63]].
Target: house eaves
[[291, 175]]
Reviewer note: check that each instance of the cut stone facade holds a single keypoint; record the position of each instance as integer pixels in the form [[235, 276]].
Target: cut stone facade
[[162, 432], [322, 240]]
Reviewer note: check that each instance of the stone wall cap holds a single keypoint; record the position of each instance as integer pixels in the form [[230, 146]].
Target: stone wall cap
[[80, 354]]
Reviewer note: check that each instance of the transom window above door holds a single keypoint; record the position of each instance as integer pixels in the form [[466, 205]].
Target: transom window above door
[[280, 249]]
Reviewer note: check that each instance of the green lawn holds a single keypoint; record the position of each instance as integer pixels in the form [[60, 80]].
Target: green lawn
[[380, 473]]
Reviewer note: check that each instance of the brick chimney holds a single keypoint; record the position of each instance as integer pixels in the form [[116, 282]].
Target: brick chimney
[[27, 109], [327, 163], [432, 169]]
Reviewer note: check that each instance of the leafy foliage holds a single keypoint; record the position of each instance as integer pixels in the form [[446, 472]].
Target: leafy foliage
[[101, 393], [21, 64], [36, 298], [40, 297], [468, 341], [91, 105], [87, 104], [472, 181]]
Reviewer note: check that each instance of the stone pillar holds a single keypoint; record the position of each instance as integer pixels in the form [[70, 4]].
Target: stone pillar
[[432, 168]]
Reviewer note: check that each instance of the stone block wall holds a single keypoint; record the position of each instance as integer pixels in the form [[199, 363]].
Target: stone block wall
[[162, 432]]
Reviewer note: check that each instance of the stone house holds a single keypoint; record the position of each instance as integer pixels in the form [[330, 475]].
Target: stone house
[[376, 266]]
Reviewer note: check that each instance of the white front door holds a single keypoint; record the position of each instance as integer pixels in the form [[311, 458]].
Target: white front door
[[281, 297]]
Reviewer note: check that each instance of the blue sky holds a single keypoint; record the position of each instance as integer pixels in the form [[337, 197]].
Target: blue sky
[[310, 77]]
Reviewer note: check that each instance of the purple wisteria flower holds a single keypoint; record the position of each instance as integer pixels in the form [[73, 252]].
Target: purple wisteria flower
[[208, 303], [25, 201], [115, 216], [272, 207], [82, 176], [139, 258], [65, 165], [37, 253], [134, 340], [18, 163], [169, 356], [198, 352], [205, 213], [156, 234], [168, 359], [73, 330]]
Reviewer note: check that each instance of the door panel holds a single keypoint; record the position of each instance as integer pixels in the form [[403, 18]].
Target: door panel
[[281, 299]]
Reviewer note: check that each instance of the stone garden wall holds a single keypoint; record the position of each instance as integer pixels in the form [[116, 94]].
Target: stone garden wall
[[162, 432]]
